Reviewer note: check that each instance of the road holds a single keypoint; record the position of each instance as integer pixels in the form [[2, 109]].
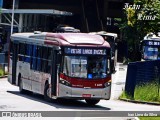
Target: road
[[12, 100]]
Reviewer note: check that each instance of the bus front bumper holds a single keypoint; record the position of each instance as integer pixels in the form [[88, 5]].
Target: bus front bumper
[[84, 93]]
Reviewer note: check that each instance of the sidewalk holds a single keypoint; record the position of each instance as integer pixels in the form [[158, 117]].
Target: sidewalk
[[118, 80], [141, 102]]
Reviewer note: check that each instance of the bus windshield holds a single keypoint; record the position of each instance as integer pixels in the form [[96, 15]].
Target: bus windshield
[[90, 67], [151, 53]]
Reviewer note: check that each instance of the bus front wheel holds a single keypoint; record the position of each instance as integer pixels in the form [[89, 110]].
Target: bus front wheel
[[91, 102], [46, 93]]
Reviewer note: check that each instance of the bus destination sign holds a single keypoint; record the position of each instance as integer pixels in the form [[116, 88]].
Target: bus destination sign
[[154, 43], [85, 51]]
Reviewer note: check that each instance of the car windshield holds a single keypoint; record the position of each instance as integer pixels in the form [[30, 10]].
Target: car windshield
[[151, 53], [90, 67]]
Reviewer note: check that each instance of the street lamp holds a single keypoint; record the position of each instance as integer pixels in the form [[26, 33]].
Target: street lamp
[[12, 17]]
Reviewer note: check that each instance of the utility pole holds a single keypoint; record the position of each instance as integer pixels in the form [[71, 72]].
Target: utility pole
[[12, 23]]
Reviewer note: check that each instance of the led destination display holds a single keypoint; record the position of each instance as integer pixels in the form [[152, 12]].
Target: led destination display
[[85, 51], [154, 43]]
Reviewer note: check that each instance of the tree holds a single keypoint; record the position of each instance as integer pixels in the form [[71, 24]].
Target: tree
[[139, 19]]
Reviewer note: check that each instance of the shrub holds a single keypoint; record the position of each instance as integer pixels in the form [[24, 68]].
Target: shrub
[[147, 92], [1, 72]]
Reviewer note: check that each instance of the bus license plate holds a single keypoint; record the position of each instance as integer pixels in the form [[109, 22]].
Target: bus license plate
[[86, 95]]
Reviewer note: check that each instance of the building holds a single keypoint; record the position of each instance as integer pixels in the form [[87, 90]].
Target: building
[[46, 15], [87, 15]]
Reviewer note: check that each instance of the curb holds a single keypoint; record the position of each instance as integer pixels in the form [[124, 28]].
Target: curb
[[5, 76], [141, 102]]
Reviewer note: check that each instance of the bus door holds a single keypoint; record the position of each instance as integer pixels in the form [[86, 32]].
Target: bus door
[[14, 62], [54, 72]]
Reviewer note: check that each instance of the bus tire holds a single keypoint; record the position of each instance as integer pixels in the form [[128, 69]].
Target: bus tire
[[46, 90], [91, 102]]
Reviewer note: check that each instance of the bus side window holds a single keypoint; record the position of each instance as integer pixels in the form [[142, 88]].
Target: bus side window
[[22, 52], [49, 60], [34, 53], [39, 56], [44, 59], [28, 53]]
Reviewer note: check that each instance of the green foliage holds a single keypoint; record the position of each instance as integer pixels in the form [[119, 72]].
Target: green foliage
[[1, 72], [124, 95], [137, 23], [149, 8], [131, 17], [147, 92], [149, 118]]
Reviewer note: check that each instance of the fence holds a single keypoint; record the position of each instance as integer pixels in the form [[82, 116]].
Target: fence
[[3, 64], [140, 73]]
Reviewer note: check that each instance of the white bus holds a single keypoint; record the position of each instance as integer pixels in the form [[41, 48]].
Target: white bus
[[59, 65], [111, 38], [150, 47]]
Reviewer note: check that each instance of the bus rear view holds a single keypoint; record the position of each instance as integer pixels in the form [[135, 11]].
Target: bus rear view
[[61, 65]]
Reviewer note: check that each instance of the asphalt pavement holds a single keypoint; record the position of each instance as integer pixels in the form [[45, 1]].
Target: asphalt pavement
[[12, 100]]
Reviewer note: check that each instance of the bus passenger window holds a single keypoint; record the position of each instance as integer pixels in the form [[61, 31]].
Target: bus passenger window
[[39, 56], [28, 53], [33, 66], [49, 61], [44, 59], [22, 52]]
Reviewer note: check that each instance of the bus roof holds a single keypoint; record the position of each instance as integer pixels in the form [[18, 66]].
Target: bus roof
[[151, 36], [61, 39], [104, 33]]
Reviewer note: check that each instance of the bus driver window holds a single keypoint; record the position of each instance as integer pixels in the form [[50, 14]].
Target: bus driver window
[[97, 71]]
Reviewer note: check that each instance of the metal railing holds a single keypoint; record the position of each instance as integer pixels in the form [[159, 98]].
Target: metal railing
[[141, 73]]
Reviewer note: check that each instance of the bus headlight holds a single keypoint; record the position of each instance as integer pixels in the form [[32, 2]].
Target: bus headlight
[[107, 84]]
